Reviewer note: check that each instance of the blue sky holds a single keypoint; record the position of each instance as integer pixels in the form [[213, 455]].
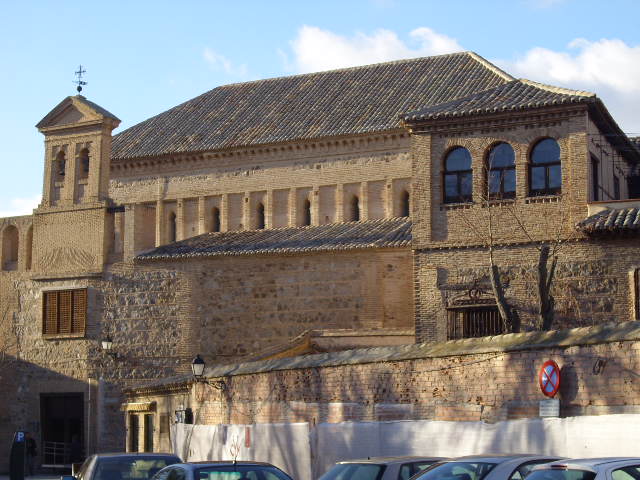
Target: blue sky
[[143, 57]]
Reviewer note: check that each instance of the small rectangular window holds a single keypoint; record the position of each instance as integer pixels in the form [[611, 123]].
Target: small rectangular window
[[616, 188], [473, 321], [64, 312]]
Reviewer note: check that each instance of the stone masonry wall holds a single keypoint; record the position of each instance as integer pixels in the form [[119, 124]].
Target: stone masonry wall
[[140, 310], [244, 305], [594, 283]]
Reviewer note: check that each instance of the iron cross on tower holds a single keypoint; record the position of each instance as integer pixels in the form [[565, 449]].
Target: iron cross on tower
[[79, 82]]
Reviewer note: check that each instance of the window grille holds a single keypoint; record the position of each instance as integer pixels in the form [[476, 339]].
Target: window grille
[[64, 312], [473, 321]]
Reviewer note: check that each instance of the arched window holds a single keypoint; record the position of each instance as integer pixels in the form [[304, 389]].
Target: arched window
[[545, 170], [501, 172], [306, 213], [84, 163], [215, 219], [173, 228], [260, 217], [60, 164], [458, 176], [10, 246], [354, 214], [405, 206]]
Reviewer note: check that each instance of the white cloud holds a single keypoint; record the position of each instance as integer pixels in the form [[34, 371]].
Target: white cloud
[[20, 206], [220, 62], [315, 49], [608, 67]]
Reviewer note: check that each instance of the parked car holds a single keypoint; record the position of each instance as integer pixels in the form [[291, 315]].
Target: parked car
[[611, 468], [379, 468], [223, 470], [123, 466], [485, 467]]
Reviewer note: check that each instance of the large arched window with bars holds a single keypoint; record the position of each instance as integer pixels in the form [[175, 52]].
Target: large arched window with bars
[[545, 168], [501, 172], [458, 176]]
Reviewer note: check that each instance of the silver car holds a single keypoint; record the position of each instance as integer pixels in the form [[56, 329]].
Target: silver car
[[610, 468], [485, 467], [379, 468]]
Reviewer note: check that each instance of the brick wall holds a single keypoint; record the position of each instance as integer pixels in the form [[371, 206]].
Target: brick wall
[[491, 386]]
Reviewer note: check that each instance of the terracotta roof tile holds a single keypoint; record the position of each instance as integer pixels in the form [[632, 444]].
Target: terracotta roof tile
[[388, 233], [612, 221], [340, 102], [511, 96]]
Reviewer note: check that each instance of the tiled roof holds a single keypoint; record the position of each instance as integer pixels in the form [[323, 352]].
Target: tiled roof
[[388, 233], [613, 220], [102, 111], [511, 96], [339, 102]]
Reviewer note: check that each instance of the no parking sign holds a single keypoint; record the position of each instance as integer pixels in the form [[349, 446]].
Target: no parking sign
[[549, 378]]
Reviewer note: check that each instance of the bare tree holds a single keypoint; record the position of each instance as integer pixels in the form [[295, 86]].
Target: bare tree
[[483, 224]]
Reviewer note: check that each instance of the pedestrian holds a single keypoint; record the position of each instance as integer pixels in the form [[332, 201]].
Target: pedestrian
[[31, 452]]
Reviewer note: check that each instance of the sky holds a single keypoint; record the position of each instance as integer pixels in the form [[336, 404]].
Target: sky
[[144, 57]]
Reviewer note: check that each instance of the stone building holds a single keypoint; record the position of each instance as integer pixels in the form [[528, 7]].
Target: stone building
[[311, 213]]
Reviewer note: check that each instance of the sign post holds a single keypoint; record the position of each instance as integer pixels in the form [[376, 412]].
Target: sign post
[[549, 381], [16, 458]]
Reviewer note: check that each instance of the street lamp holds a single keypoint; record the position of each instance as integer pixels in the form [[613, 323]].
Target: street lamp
[[197, 367], [107, 346]]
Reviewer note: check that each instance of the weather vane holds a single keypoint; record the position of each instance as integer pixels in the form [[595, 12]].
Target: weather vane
[[79, 82]]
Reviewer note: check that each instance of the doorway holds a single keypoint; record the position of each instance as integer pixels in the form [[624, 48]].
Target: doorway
[[62, 420]]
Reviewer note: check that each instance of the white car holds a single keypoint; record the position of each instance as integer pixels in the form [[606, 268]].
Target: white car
[[486, 467], [379, 468], [609, 468]]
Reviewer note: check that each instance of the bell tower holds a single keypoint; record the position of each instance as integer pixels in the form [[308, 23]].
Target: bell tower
[[71, 223], [77, 153]]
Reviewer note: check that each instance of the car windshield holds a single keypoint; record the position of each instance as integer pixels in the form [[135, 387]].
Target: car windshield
[[456, 471], [240, 472], [130, 468], [560, 474], [354, 471]]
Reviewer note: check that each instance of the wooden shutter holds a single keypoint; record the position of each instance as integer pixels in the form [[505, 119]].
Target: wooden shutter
[[79, 311], [50, 314], [65, 309]]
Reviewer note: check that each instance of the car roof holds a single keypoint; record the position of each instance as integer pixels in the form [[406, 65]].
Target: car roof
[[135, 454], [388, 460], [219, 463], [591, 463], [500, 457]]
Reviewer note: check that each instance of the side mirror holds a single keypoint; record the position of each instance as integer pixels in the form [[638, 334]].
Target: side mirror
[[68, 477]]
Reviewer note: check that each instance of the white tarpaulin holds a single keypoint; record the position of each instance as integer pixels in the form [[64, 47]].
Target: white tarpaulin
[[307, 454], [284, 445]]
